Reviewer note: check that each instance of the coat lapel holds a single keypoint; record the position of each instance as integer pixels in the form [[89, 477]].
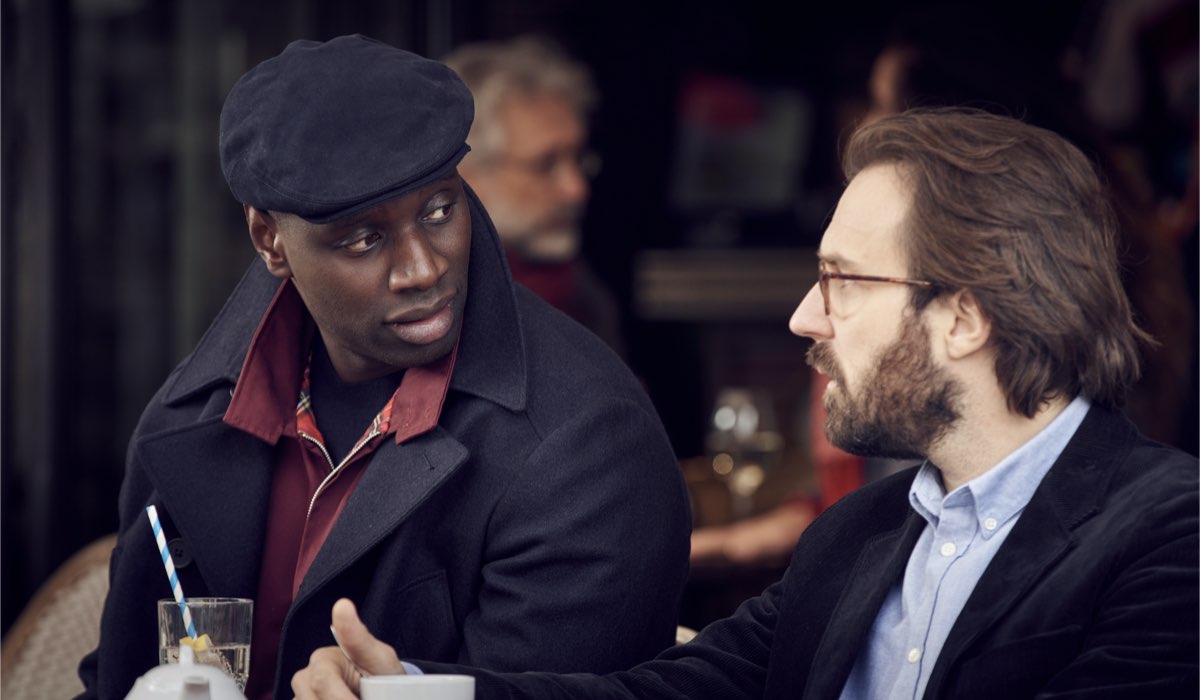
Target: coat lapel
[[398, 479], [1071, 493], [207, 464], [879, 566]]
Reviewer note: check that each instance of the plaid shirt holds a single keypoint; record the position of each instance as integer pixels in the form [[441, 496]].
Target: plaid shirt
[[306, 429]]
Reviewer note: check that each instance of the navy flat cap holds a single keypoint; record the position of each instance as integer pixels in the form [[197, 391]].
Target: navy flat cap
[[324, 130]]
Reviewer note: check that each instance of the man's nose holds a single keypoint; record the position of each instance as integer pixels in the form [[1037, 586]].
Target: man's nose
[[809, 319], [415, 263], [572, 183]]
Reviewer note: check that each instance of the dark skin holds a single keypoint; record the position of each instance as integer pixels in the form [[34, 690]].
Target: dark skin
[[386, 286]]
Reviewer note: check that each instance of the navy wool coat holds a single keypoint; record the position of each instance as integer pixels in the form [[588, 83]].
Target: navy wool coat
[[543, 524], [1093, 595]]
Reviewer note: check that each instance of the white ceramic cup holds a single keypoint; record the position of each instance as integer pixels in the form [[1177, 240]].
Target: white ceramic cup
[[431, 686]]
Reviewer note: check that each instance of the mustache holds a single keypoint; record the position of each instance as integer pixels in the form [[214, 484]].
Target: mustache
[[567, 215], [820, 357]]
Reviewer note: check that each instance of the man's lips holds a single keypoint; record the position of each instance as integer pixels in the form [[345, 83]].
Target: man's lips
[[422, 313], [820, 359], [423, 326]]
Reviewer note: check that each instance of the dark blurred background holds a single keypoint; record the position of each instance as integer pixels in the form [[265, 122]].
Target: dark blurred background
[[719, 127]]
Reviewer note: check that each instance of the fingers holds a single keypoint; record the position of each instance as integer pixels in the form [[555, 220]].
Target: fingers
[[328, 676], [369, 654]]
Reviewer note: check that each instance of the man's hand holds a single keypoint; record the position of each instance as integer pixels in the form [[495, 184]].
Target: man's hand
[[766, 539], [330, 675]]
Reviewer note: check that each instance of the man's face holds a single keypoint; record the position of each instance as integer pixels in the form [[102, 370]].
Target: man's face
[[534, 188], [386, 286], [887, 395]]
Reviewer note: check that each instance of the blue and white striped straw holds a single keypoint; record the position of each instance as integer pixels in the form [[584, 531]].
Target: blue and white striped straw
[[152, 513]]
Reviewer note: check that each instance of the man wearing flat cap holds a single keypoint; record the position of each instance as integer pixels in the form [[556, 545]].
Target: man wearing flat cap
[[379, 413]]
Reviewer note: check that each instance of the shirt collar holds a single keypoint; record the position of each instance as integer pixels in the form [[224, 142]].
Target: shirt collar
[[1001, 493], [417, 404], [264, 399]]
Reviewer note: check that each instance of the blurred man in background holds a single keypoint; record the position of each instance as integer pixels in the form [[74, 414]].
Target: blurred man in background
[[530, 165]]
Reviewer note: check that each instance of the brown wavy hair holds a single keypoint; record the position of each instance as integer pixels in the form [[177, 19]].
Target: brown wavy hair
[[1019, 217]]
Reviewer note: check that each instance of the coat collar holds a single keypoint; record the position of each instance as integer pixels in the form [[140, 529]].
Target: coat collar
[[491, 362]]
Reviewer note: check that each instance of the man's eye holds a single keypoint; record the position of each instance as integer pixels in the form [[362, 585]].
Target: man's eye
[[546, 164], [440, 214], [362, 244]]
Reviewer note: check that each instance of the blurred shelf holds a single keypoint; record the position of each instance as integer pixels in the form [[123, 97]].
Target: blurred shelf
[[722, 285]]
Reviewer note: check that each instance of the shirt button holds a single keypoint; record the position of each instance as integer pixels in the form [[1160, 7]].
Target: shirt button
[[990, 524], [914, 655], [949, 549]]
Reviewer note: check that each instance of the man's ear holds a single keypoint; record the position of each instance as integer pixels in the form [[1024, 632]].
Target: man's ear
[[970, 329], [264, 234]]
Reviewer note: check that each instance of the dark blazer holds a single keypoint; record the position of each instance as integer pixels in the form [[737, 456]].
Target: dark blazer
[[543, 524], [1093, 595]]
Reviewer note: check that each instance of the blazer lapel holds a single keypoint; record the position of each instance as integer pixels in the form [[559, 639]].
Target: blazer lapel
[[1070, 493], [879, 566], [214, 483], [398, 479]]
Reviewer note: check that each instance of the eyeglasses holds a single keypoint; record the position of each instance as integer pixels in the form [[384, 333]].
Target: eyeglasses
[[835, 296], [546, 167]]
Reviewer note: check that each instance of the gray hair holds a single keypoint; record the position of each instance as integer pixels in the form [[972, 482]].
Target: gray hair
[[527, 66]]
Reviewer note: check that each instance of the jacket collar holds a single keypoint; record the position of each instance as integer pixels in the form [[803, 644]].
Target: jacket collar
[[491, 362]]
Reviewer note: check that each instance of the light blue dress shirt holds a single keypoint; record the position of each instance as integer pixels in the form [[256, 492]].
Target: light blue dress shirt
[[411, 670], [965, 530]]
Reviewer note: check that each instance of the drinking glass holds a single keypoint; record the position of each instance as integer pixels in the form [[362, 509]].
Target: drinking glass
[[744, 443], [226, 622]]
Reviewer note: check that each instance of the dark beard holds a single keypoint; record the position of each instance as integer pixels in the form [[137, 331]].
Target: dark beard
[[905, 404]]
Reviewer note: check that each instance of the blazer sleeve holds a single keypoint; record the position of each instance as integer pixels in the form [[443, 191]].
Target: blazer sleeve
[[586, 552], [727, 661]]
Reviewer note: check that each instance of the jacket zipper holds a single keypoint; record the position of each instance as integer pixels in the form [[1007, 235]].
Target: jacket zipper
[[333, 470]]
